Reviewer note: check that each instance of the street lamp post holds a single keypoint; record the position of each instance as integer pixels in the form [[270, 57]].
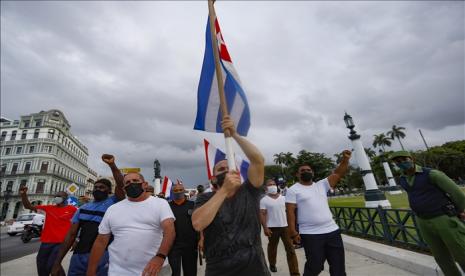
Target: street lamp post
[[373, 196], [393, 188]]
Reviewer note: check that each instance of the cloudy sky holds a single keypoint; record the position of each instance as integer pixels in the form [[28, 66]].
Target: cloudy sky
[[126, 73]]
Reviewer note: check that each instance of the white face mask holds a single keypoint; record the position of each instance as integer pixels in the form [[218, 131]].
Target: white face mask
[[58, 200], [272, 189]]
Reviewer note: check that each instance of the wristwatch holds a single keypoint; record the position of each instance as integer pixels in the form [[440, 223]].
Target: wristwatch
[[163, 256]]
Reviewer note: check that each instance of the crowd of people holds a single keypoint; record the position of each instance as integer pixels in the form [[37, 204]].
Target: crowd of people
[[134, 231]]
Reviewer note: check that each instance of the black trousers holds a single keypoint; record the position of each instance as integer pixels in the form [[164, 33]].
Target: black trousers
[[187, 257], [321, 247], [46, 258]]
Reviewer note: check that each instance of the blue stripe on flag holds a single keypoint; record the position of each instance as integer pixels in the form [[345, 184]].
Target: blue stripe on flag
[[219, 155], [232, 90], [205, 83]]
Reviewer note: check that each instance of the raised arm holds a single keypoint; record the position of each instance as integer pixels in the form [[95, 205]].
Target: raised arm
[[117, 175], [65, 246], [341, 169], [155, 264], [256, 172], [96, 253], [204, 215], [25, 200]]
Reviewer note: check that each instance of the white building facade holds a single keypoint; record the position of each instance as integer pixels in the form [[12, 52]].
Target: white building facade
[[39, 151], [92, 177]]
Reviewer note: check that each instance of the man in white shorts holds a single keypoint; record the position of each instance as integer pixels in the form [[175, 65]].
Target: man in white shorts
[[320, 235], [143, 232]]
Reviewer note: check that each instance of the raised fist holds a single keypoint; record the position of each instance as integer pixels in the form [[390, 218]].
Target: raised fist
[[23, 190], [346, 154], [108, 158]]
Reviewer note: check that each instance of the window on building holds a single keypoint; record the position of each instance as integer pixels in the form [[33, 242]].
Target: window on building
[[26, 123], [23, 183], [14, 168], [2, 138], [40, 186], [44, 167], [19, 150], [27, 167], [7, 151], [9, 186], [51, 133], [24, 134], [3, 170], [47, 148], [13, 135], [54, 167], [38, 122], [32, 149], [36, 133]]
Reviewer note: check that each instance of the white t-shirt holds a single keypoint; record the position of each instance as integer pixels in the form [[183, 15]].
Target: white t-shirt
[[137, 231], [313, 214], [275, 210]]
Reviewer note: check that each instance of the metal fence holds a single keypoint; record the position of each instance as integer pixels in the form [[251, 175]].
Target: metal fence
[[393, 226]]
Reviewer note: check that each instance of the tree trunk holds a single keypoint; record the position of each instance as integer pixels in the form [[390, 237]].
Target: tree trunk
[[400, 142]]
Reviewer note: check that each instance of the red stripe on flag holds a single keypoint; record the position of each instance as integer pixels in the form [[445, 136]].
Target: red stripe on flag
[[224, 54], [206, 143], [165, 184]]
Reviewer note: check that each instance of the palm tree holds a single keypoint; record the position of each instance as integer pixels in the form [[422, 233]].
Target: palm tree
[[397, 132], [370, 153], [381, 140], [279, 159]]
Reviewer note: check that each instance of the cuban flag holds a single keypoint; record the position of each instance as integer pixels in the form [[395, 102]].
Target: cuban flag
[[214, 155], [166, 187], [208, 100]]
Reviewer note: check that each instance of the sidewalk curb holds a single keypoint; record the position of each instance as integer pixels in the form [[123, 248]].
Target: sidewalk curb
[[404, 259]]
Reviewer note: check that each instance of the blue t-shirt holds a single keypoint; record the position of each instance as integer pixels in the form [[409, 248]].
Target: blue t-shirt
[[89, 217]]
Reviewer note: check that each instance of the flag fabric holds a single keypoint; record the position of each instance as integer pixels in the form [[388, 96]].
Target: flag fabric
[[166, 187], [208, 100], [214, 155]]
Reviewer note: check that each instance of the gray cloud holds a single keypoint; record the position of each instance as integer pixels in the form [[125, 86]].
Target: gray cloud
[[126, 73]]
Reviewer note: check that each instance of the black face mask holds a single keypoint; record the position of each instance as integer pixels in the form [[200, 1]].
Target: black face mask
[[306, 176], [99, 195], [134, 190], [178, 196], [220, 179]]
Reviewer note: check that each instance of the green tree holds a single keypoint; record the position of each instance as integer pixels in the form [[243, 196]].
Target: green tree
[[370, 153], [381, 140], [272, 171], [322, 166], [397, 132]]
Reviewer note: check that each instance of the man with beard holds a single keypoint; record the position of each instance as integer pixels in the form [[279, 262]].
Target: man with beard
[[142, 228], [86, 222], [57, 223], [320, 235], [184, 250], [229, 216]]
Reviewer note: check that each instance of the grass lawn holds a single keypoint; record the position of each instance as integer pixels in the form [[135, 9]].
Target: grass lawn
[[397, 201]]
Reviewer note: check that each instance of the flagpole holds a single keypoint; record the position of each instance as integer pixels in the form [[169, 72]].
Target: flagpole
[[219, 79]]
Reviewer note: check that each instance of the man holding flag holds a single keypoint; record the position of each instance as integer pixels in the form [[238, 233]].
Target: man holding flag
[[229, 216]]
